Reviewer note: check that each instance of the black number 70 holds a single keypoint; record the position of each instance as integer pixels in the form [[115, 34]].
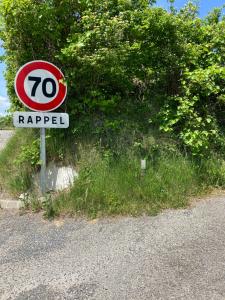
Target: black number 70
[[37, 81]]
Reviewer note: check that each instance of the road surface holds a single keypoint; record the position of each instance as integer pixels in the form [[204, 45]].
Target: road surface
[[175, 255], [5, 135]]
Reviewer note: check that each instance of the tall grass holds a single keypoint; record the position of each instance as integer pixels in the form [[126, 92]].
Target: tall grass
[[110, 179], [106, 186], [20, 159], [16, 177]]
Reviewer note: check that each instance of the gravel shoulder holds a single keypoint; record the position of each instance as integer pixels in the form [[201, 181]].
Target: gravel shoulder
[[175, 255]]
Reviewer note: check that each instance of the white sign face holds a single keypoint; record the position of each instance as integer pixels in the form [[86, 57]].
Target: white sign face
[[41, 86], [40, 120]]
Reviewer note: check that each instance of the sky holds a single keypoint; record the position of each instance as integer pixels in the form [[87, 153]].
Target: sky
[[205, 7], [4, 103]]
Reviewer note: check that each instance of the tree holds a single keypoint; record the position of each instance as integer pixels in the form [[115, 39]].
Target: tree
[[127, 64]]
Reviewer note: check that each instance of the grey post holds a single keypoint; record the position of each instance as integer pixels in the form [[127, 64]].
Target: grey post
[[43, 162]]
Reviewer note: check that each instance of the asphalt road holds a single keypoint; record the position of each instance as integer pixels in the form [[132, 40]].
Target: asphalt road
[[176, 255], [5, 135]]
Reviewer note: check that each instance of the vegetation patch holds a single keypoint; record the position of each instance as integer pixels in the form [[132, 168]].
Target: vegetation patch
[[143, 83], [18, 161], [110, 181], [6, 122], [112, 186], [119, 187]]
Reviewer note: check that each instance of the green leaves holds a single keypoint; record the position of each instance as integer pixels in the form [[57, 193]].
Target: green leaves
[[126, 60]]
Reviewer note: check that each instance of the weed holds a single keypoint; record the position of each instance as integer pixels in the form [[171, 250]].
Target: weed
[[31, 202], [49, 210]]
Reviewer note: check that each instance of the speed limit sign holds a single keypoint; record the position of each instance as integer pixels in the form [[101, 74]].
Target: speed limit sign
[[40, 86]]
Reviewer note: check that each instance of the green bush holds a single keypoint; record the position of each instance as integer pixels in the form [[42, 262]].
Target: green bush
[[6, 122], [15, 165], [126, 62]]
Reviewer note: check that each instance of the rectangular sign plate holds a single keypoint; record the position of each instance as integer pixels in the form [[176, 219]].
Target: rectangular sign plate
[[40, 120]]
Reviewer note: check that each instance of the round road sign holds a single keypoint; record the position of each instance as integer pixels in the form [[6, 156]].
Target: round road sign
[[40, 86]]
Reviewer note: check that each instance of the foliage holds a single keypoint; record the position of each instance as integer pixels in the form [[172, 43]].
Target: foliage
[[29, 153], [13, 177], [126, 63], [111, 182], [195, 113], [6, 122]]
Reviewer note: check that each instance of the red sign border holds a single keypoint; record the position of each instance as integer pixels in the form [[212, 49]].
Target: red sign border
[[20, 91]]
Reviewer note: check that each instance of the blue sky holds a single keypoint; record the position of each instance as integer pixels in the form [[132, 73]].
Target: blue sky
[[205, 7]]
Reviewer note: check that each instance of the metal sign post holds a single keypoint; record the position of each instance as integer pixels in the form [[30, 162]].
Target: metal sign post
[[43, 161], [41, 120], [41, 87]]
